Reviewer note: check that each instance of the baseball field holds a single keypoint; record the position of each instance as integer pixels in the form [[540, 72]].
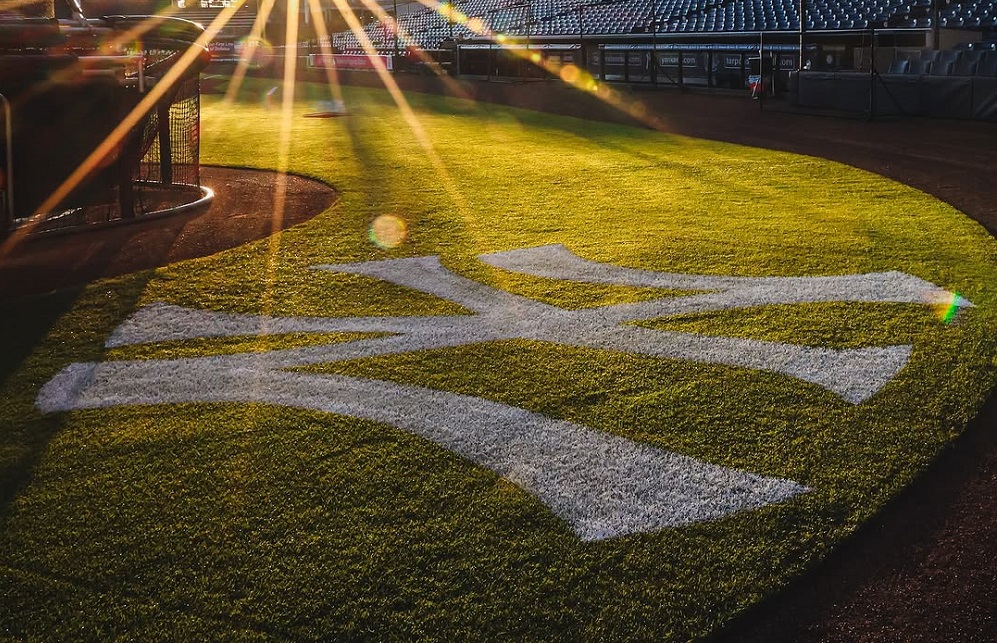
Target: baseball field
[[531, 377]]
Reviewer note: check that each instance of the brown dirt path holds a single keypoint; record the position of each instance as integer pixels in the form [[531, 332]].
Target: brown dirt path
[[241, 211]]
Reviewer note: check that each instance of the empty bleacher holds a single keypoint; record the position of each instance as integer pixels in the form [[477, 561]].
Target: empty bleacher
[[428, 28], [970, 60]]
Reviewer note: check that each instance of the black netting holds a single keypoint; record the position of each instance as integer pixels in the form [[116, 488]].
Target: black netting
[[57, 126], [169, 149]]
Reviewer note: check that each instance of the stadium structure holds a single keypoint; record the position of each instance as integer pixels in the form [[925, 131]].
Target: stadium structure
[[912, 57], [113, 61]]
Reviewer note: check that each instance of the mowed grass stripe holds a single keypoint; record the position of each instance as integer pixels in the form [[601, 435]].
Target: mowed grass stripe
[[304, 525]]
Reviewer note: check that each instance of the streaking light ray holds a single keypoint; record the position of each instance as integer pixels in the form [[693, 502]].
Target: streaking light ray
[[251, 47], [283, 151], [406, 110], [569, 74], [383, 16], [325, 46]]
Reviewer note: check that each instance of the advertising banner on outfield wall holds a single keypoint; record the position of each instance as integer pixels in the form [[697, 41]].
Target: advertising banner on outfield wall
[[360, 62]]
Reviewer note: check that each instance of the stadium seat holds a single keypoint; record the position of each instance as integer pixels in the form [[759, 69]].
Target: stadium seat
[[899, 66], [608, 17], [941, 68], [988, 66], [965, 67], [949, 55], [919, 67]]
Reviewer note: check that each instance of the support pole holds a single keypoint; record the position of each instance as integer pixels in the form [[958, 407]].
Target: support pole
[[761, 70], [394, 28], [803, 33], [581, 36], [872, 74], [9, 183], [530, 66], [935, 29], [165, 143], [654, 43]]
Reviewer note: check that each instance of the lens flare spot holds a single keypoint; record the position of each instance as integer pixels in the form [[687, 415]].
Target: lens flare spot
[[535, 58], [476, 25], [638, 110], [500, 38], [570, 74], [388, 231], [948, 310]]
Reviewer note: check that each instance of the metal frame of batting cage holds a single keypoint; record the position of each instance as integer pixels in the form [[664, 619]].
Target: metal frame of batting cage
[[52, 122]]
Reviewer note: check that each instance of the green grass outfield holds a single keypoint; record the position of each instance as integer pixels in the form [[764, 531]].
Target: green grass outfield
[[245, 521]]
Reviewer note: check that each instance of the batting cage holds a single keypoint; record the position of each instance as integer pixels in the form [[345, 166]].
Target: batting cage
[[101, 119], [169, 168]]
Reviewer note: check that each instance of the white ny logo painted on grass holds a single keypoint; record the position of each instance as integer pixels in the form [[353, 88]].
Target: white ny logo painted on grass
[[603, 485]]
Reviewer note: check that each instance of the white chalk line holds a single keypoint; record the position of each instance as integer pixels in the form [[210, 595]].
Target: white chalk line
[[602, 485]]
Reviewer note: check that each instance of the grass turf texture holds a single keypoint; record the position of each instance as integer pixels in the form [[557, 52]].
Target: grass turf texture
[[245, 521]]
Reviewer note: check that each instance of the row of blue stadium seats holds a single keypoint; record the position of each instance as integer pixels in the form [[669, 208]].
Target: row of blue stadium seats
[[607, 17], [952, 62]]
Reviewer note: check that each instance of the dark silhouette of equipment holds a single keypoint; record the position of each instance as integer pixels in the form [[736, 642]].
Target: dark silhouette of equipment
[[67, 83]]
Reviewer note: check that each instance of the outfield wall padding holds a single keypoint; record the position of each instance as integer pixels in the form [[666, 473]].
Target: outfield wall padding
[[985, 99], [947, 97], [962, 97], [816, 90], [899, 95]]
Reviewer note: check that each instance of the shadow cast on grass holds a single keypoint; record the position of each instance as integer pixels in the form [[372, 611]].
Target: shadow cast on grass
[[20, 336]]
